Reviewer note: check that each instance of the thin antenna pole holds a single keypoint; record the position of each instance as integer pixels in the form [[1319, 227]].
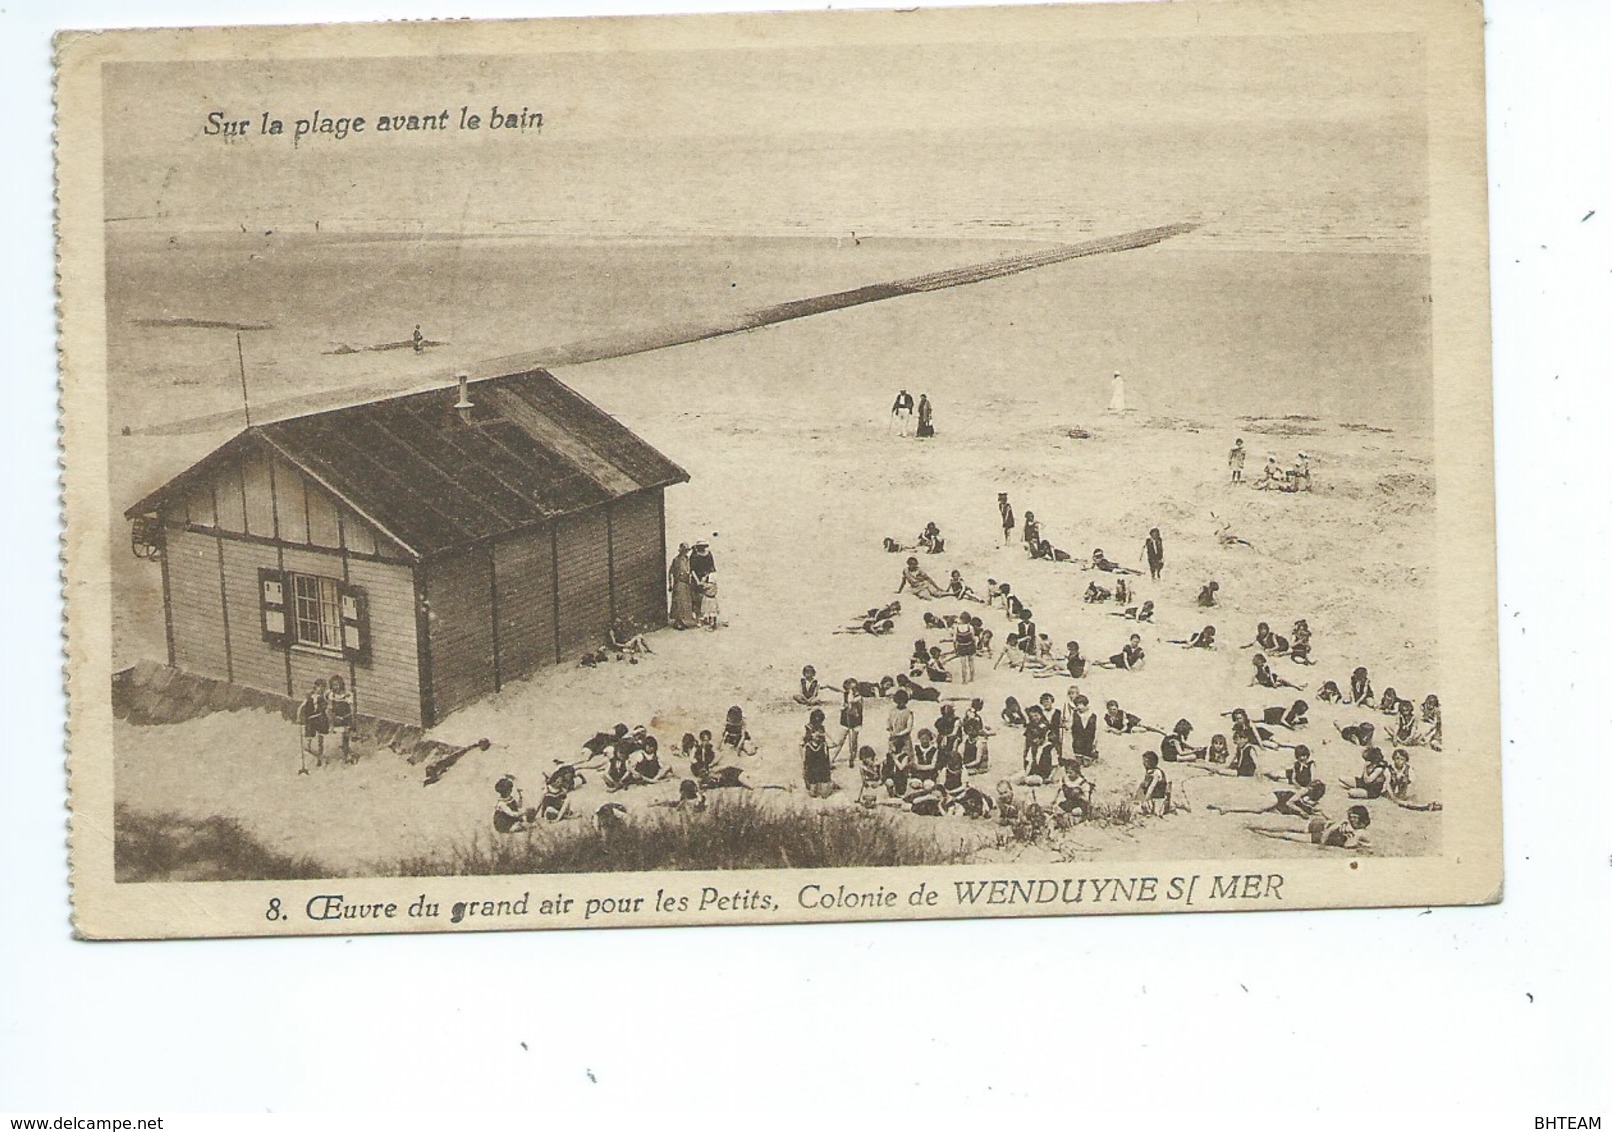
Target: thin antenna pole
[[246, 401]]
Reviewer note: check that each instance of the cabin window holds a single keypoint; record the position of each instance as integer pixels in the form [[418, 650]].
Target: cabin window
[[316, 612], [311, 612]]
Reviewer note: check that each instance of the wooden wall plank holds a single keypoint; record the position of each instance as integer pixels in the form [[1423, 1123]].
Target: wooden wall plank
[[640, 561], [257, 663], [525, 577], [389, 685], [290, 502], [462, 663], [259, 495], [230, 497], [196, 604], [584, 582], [323, 526]]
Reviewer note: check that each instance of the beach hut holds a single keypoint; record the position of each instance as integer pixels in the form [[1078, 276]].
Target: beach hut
[[429, 548]]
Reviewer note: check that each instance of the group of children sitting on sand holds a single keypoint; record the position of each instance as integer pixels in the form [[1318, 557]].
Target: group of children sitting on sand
[[622, 641], [1060, 741], [932, 770], [1293, 478], [625, 757], [1406, 728], [929, 540]]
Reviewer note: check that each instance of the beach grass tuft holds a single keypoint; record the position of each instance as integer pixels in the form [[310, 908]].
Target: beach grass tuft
[[167, 847], [732, 833]]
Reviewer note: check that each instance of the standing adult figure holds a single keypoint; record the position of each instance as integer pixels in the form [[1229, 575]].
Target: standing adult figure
[[1008, 522], [902, 412], [680, 580], [701, 564], [1116, 399], [1153, 549], [926, 416]]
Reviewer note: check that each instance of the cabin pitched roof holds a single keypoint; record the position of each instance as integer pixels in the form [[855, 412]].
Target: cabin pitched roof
[[435, 479]]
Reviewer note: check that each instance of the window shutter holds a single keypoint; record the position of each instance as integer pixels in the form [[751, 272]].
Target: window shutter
[[354, 624], [271, 589]]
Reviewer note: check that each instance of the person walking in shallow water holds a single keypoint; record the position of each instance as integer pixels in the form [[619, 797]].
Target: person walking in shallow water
[[419, 340]]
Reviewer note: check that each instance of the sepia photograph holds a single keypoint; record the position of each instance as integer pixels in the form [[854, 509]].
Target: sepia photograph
[[723, 469], [876, 504]]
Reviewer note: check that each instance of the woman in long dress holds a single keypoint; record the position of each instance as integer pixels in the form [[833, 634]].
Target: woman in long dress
[[681, 582]]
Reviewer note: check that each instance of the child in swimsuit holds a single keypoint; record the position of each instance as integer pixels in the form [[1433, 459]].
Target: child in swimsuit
[[1303, 803], [817, 770], [947, 732], [975, 747], [735, 736], [1129, 658], [1360, 688], [1119, 721], [1203, 639], [1074, 664], [1176, 746], [1360, 734], [1372, 781], [510, 814], [1344, 834], [703, 759], [1012, 713], [1153, 792], [1289, 717], [1074, 795], [808, 694], [899, 726], [960, 589], [1433, 717], [1404, 729]]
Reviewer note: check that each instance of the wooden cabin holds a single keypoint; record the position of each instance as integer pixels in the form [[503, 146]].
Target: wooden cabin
[[429, 548]]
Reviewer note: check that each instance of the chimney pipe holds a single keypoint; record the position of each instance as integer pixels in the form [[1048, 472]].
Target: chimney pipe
[[463, 405]]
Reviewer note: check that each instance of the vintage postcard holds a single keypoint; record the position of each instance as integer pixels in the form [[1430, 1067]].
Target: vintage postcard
[[765, 468]]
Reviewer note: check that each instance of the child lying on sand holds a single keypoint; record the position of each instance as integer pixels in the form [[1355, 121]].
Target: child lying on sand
[[1305, 803], [1344, 834]]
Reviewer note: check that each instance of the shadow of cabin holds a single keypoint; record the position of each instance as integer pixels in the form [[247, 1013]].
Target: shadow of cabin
[[428, 548]]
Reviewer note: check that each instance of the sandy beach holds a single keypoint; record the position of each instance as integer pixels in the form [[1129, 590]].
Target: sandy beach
[[781, 429]]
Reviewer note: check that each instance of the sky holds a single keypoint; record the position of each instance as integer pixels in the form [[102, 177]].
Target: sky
[[1280, 139]]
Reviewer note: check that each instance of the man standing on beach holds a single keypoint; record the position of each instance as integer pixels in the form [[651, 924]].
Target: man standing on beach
[[1008, 522], [902, 412], [1235, 461]]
